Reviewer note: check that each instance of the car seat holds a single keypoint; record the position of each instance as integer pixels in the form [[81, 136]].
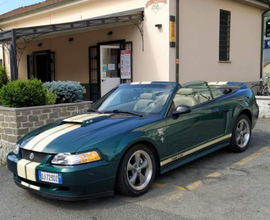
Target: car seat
[[185, 96]]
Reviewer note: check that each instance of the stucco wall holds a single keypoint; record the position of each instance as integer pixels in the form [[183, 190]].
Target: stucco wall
[[72, 59], [199, 41]]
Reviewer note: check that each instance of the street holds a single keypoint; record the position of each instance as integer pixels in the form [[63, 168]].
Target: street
[[222, 185]]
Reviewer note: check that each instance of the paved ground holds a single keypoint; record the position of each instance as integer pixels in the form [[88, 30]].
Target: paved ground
[[222, 185]]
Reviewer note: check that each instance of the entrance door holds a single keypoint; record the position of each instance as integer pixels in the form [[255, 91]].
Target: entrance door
[[109, 68], [40, 65]]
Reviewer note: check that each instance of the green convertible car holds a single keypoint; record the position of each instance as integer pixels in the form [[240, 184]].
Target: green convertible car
[[130, 135]]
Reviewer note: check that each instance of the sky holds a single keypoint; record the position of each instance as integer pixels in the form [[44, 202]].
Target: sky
[[8, 5]]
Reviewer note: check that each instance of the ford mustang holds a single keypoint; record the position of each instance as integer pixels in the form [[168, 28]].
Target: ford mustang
[[132, 134]]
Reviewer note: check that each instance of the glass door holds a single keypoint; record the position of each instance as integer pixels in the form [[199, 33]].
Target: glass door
[[109, 67]]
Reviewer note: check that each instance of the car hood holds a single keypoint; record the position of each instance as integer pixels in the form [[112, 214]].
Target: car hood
[[74, 133]]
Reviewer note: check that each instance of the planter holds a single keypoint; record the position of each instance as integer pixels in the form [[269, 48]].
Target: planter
[[264, 105], [16, 122]]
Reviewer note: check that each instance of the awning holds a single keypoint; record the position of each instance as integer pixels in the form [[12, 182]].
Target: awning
[[28, 34], [131, 16]]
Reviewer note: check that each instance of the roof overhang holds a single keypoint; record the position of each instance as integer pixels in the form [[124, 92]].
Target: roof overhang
[[125, 17], [260, 4]]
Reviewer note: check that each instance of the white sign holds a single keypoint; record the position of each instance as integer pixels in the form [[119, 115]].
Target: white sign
[[111, 67], [125, 64]]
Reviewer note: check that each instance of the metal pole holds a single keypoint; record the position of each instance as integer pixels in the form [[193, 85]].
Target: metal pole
[[15, 64], [11, 62], [3, 47], [177, 38], [262, 45]]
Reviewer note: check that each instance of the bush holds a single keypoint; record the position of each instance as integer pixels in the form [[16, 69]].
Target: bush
[[67, 92], [26, 93], [3, 76], [50, 97]]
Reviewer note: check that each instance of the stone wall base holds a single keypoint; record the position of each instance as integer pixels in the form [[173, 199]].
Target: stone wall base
[[16, 122]]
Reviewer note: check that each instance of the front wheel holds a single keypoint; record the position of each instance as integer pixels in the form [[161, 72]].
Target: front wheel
[[136, 171], [241, 134]]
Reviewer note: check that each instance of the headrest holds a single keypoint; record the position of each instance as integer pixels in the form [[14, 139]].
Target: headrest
[[185, 91], [150, 96]]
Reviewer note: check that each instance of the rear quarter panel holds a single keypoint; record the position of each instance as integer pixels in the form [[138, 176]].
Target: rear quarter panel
[[242, 101]]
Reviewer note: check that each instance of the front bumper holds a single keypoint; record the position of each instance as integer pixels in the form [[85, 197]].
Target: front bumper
[[79, 182]]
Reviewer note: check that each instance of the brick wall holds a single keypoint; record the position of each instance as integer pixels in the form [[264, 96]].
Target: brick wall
[[16, 122]]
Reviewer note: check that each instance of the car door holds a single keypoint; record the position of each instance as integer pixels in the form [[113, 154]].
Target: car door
[[184, 132], [202, 125]]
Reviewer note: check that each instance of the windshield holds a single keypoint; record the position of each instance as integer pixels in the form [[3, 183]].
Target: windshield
[[146, 100]]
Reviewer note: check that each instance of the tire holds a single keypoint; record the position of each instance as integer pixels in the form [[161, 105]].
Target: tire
[[133, 180], [241, 134]]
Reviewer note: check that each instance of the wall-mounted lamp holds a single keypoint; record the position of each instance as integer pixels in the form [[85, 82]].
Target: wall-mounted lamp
[[39, 45], [71, 39], [158, 26], [110, 33]]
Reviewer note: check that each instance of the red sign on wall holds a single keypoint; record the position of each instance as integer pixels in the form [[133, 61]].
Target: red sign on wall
[[126, 64]]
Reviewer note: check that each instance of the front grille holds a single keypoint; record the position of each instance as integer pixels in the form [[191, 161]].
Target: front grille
[[38, 157]]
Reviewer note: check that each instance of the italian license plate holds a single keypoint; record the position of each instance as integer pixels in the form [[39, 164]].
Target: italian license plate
[[50, 177]]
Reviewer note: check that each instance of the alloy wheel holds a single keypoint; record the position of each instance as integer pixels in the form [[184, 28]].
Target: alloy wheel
[[243, 133], [139, 170]]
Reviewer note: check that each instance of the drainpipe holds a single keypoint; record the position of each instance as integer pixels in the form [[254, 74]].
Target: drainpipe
[[177, 37], [262, 45], [4, 59]]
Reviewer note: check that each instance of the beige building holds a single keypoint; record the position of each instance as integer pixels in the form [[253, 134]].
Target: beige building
[[103, 43]]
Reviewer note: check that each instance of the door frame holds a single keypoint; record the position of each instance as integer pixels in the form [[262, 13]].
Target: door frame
[[122, 44]]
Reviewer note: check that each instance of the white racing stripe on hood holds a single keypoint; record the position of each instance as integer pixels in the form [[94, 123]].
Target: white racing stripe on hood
[[83, 118], [44, 143], [45, 134], [75, 117]]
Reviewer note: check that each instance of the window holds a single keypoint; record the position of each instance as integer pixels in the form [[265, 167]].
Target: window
[[224, 35]]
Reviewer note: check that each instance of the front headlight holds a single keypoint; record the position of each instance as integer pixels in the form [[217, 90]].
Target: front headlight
[[76, 159], [16, 149]]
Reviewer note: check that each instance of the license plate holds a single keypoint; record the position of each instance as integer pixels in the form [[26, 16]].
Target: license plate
[[50, 177]]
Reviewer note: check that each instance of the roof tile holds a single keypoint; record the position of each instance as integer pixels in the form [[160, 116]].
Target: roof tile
[[29, 8]]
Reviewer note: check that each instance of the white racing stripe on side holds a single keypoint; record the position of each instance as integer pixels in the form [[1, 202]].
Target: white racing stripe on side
[[179, 156], [45, 134], [21, 168], [42, 144], [31, 171]]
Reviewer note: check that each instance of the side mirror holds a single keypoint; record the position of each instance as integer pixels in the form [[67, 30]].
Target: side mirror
[[182, 109]]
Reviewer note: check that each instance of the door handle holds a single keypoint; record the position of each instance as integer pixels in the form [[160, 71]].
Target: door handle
[[103, 80]]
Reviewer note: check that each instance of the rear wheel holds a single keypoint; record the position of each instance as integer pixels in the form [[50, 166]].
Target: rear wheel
[[241, 134], [136, 172]]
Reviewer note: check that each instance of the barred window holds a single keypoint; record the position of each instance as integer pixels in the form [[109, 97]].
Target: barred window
[[224, 35]]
